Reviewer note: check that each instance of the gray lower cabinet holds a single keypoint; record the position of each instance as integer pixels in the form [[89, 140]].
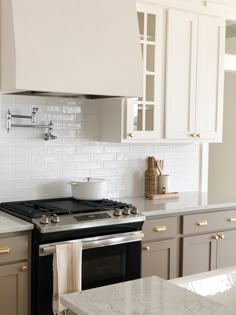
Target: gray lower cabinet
[[208, 252], [199, 254], [226, 249], [160, 259], [14, 289]]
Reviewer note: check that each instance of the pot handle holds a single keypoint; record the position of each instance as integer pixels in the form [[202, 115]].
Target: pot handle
[[72, 183]]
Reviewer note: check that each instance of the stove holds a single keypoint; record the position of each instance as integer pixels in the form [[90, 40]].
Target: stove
[[62, 214], [110, 233]]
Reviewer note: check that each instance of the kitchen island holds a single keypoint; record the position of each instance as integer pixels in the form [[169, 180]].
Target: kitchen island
[[142, 297]]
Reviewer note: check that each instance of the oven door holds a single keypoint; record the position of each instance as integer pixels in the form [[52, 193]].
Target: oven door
[[105, 260]]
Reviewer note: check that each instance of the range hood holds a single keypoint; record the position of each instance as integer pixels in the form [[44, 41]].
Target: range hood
[[70, 47]]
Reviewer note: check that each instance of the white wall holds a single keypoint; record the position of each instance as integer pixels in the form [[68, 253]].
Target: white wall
[[222, 157], [33, 168]]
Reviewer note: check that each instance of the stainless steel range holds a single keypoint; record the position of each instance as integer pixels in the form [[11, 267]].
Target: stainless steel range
[[110, 231]]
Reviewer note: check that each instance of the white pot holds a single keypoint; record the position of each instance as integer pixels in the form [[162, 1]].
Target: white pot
[[89, 189]]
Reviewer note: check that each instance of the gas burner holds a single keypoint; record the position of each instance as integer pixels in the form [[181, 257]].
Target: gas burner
[[34, 209]]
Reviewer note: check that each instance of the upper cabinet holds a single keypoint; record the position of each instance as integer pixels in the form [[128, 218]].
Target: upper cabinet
[[183, 72], [144, 114], [195, 76]]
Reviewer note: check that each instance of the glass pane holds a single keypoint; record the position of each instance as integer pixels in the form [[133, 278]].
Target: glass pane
[[150, 88], [151, 58], [149, 121], [230, 43], [141, 24], [151, 27], [142, 48], [138, 117]]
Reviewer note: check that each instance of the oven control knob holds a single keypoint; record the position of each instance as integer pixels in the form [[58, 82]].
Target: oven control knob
[[117, 212], [126, 211], [44, 220], [55, 218], [134, 210]]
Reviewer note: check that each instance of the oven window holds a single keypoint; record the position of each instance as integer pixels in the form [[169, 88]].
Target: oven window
[[112, 264]]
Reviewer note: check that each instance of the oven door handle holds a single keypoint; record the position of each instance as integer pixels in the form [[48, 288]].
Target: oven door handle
[[95, 242]]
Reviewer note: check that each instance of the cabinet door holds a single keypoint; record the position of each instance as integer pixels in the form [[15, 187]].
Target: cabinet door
[[144, 114], [181, 63], [199, 254], [14, 289], [210, 78], [160, 259], [226, 253]]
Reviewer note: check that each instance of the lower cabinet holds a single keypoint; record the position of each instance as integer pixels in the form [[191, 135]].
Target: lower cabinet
[[208, 252], [226, 253], [188, 244], [160, 259], [14, 289], [199, 254]]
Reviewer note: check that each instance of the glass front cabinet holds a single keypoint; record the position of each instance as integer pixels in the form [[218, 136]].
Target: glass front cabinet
[[144, 114]]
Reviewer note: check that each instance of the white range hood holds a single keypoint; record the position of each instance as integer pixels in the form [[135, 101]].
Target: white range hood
[[85, 47]]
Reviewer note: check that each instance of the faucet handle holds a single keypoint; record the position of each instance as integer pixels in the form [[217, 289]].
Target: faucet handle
[[49, 135]]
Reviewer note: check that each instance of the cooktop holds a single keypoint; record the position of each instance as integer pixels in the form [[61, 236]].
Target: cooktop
[[60, 206]]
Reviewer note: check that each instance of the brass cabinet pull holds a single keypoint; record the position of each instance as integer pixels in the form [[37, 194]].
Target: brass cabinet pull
[[24, 268], [231, 219], [194, 135], [146, 248], [5, 250], [202, 223], [131, 135], [160, 229], [198, 135], [216, 237], [221, 237]]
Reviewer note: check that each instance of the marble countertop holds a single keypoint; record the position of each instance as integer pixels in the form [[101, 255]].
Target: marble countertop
[[148, 296], [188, 202], [10, 224]]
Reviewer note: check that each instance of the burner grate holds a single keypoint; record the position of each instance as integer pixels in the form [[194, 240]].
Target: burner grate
[[61, 206]]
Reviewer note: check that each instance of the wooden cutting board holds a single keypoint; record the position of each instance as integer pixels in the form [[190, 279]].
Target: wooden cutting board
[[171, 195]]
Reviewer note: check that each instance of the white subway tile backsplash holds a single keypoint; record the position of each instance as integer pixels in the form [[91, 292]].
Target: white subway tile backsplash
[[31, 168]]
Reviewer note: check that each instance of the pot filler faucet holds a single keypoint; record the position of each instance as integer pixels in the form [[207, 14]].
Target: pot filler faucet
[[9, 125]]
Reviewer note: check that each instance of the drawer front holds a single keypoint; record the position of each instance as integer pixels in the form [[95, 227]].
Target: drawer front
[[160, 228], [207, 222], [13, 248]]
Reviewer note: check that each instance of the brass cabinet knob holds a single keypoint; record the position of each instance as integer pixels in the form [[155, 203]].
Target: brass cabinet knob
[[221, 237], [216, 237], [5, 250], [146, 248], [24, 268], [131, 135], [202, 223], [196, 135], [160, 229]]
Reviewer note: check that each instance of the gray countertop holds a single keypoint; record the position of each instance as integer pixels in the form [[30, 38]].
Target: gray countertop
[[10, 224], [148, 296], [188, 202]]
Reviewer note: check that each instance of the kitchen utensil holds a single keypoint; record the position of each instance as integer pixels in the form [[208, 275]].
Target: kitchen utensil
[[160, 166], [89, 188]]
